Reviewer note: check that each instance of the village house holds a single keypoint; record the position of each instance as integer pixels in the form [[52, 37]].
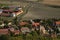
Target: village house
[[11, 29], [16, 32], [11, 13], [35, 25], [15, 13], [57, 23], [7, 32], [4, 32], [25, 30], [58, 26], [22, 23], [42, 29]]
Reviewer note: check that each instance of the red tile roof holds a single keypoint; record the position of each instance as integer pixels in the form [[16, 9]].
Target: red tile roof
[[36, 24], [57, 22], [4, 31], [4, 14], [25, 29], [23, 23], [7, 11], [17, 32]]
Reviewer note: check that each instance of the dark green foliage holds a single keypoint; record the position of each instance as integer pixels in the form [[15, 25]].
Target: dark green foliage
[[4, 37], [29, 37], [3, 5], [15, 21]]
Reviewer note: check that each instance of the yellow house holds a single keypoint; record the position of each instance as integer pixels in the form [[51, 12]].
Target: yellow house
[[16, 13]]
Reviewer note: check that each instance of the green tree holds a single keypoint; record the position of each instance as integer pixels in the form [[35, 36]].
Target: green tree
[[29, 37], [6, 23], [4, 37], [15, 21]]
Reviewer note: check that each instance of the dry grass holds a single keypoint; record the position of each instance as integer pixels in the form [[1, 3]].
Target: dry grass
[[50, 2], [57, 2]]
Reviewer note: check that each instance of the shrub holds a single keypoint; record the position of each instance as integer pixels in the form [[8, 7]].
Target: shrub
[[4, 37]]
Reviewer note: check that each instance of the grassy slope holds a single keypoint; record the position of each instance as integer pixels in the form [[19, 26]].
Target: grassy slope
[[52, 2]]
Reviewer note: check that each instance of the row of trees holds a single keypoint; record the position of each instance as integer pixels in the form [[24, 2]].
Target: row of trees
[[30, 36]]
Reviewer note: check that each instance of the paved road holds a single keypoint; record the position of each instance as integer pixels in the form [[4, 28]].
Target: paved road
[[41, 11]]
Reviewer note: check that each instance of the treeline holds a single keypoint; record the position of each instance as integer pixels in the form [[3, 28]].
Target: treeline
[[30, 36]]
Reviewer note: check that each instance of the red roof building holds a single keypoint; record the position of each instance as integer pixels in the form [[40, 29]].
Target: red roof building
[[9, 12], [58, 22], [4, 31], [23, 23], [36, 24], [17, 32], [25, 29]]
